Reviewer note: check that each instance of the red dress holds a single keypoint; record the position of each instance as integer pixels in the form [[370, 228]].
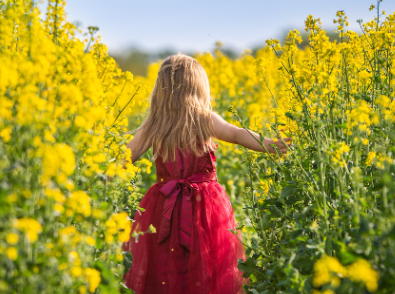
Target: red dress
[[192, 252]]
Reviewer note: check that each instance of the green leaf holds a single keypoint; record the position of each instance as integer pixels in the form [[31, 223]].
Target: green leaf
[[274, 211], [289, 115], [127, 260], [290, 189], [256, 292], [391, 233], [341, 126], [347, 257], [249, 267]]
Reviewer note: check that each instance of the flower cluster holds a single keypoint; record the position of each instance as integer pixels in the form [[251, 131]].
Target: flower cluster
[[64, 164], [329, 270], [337, 155], [30, 226], [120, 225]]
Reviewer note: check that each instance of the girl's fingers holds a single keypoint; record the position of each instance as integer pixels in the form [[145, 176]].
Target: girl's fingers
[[283, 147], [288, 141]]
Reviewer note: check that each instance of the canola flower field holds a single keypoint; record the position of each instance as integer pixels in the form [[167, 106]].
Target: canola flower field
[[320, 220]]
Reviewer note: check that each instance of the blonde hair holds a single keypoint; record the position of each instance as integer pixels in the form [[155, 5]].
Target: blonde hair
[[180, 111]]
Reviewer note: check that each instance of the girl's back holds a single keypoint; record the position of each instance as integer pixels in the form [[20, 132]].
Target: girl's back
[[185, 165]]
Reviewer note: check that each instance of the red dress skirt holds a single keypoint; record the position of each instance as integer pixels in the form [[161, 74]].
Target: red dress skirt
[[192, 252]]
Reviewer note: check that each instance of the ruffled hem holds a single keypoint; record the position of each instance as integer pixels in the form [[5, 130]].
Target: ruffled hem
[[209, 267]]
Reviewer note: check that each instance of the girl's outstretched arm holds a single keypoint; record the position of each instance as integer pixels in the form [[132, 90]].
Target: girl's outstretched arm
[[230, 133], [132, 145]]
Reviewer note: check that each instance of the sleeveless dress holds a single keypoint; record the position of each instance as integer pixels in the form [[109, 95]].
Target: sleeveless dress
[[192, 251]]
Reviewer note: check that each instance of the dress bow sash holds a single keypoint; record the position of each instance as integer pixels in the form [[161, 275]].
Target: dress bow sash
[[183, 188]]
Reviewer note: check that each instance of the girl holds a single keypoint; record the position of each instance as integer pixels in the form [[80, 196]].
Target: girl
[[193, 250]]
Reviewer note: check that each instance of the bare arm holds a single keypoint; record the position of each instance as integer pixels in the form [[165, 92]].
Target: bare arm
[[230, 133], [132, 145]]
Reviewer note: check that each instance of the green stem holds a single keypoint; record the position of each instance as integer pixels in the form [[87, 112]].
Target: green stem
[[119, 95], [125, 106], [267, 85]]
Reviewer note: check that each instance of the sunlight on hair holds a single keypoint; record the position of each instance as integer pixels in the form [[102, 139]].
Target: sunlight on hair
[[180, 112]]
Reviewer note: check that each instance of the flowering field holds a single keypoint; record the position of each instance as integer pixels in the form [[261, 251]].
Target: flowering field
[[320, 220], [65, 173]]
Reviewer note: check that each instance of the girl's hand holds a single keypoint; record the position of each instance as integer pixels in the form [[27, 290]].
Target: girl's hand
[[279, 144]]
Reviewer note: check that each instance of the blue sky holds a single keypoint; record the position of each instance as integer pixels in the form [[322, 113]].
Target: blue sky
[[196, 25]]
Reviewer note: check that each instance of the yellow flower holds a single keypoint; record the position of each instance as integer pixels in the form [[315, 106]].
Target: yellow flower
[[12, 253], [30, 226], [119, 257], [264, 186], [12, 238], [91, 241], [76, 271], [118, 223], [97, 213], [383, 100], [111, 169], [5, 134], [338, 153], [49, 245], [82, 289], [63, 266], [58, 160], [314, 225], [74, 258], [79, 202], [59, 208], [66, 234], [12, 197], [344, 148], [151, 228], [93, 278], [328, 269], [362, 127], [26, 193], [56, 194], [361, 271], [147, 163], [370, 158]]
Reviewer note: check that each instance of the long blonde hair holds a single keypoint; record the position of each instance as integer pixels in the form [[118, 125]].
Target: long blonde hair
[[180, 111]]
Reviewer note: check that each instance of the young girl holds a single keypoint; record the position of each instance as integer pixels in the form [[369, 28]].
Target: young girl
[[193, 251]]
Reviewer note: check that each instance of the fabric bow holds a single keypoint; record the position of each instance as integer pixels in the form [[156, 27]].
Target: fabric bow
[[183, 188]]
